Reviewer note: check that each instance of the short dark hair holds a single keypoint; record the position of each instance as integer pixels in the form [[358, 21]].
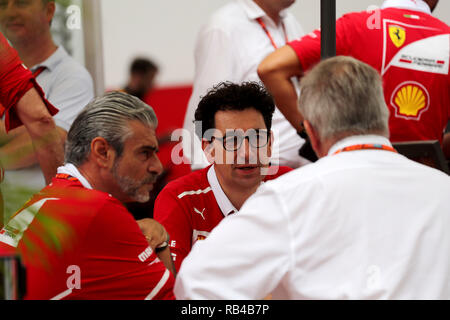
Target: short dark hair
[[143, 66], [236, 97]]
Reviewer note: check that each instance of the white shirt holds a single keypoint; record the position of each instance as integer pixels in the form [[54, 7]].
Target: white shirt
[[223, 202], [229, 48], [416, 5], [69, 87], [366, 224]]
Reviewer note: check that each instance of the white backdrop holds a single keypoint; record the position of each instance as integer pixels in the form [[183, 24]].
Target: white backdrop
[[165, 31]]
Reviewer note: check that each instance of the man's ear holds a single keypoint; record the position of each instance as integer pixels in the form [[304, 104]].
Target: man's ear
[[50, 9], [102, 153], [209, 150], [313, 137]]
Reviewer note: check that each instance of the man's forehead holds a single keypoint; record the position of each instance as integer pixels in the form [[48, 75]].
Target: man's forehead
[[243, 120], [141, 134]]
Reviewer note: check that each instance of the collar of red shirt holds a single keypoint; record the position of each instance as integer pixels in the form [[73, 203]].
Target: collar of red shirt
[[224, 203], [71, 170]]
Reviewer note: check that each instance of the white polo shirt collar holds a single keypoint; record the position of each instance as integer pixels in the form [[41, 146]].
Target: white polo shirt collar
[[71, 170], [59, 55], [416, 5], [355, 140], [224, 203], [254, 11]]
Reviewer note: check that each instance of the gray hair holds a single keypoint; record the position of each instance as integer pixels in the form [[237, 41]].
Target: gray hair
[[107, 117], [343, 95]]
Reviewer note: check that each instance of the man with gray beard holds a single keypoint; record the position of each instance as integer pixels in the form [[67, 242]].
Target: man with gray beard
[[77, 239]]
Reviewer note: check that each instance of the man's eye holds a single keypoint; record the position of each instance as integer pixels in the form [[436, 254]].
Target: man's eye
[[22, 3]]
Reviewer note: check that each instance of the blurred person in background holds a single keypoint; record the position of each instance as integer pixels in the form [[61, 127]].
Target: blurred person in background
[[67, 85], [142, 77], [22, 101]]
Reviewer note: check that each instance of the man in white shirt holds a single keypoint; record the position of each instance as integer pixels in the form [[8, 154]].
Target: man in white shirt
[[67, 85], [363, 222], [229, 48]]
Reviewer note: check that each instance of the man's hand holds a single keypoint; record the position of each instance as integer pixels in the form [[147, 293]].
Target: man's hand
[[154, 232], [158, 239]]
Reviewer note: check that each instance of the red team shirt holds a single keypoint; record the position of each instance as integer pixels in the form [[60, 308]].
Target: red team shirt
[[188, 210], [68, 233], [411, 51]]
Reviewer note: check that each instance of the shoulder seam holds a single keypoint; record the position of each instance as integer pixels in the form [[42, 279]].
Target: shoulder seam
[[194, 192]]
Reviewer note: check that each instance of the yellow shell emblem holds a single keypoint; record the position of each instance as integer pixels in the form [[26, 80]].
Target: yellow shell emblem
[[410, 99], [398, 35]]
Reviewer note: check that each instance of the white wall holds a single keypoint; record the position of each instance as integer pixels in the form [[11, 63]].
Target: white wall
[[165, 31]]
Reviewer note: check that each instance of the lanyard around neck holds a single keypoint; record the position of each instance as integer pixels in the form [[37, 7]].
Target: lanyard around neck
[[366, 147], [38, 71], [263, 25], [65, 177]]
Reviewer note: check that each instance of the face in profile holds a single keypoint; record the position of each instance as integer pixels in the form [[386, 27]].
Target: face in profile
[[240, 147], [136, 170], [22, 20]]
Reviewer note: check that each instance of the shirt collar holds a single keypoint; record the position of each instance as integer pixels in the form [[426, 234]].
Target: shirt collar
[[71, 170], [415, 5], [224, 203], [254, 11], [362, 139], [53, 60]]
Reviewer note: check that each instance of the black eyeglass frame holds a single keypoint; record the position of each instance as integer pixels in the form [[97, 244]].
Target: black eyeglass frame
[[242, 138]]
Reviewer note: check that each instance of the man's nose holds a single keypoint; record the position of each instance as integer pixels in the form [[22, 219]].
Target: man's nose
[[155, 166], [246, 152]]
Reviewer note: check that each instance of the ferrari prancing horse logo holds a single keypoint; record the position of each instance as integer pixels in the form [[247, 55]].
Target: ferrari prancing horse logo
[[398, 35]]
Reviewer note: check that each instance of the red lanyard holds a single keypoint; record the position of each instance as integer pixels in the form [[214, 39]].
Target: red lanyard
[[366, 147], [39, 71], [263, 25]]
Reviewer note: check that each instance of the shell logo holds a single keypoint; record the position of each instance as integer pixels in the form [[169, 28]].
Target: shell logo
[[410, 99]]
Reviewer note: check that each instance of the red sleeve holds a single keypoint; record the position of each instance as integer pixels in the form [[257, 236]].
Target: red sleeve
[[117, 262], [15, 81], [307, 48], [170, 213], [6, 250]]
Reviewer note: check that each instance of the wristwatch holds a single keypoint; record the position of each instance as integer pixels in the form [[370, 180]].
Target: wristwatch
[[163, 245]]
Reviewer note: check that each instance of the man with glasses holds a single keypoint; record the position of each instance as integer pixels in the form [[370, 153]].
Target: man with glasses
[[234, 123], [363, 222]]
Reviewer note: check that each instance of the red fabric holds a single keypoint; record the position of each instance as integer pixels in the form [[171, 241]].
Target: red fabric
[[15, 81], [91, 230], [376, 47], [178, 209], [170, 105]]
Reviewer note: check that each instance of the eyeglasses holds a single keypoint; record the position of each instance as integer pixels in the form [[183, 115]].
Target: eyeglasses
[[257, 138]]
